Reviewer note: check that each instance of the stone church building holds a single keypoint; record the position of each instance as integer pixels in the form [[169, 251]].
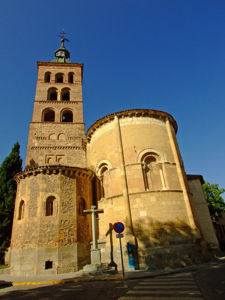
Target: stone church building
[[128, 164]]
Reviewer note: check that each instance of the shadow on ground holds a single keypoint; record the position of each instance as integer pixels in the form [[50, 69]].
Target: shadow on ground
[[88, 290], [211, 281]]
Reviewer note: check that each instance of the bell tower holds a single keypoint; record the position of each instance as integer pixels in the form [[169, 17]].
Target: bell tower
[[57, 129], [50, 232]]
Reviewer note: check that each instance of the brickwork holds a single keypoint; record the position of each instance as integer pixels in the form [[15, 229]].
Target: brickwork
[[57, 142]]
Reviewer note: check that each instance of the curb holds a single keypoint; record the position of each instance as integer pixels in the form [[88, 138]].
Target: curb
[[66, 281], [61, 281], [133, 277]]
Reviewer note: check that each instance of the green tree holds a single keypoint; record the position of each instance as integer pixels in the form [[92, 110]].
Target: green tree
[[215, 201], [10, 166]]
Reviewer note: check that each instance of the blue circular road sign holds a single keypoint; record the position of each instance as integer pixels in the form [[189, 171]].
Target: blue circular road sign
[[118, 227]]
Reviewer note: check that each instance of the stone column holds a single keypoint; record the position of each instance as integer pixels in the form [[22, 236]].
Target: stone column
[[124, 176], [181, 174]]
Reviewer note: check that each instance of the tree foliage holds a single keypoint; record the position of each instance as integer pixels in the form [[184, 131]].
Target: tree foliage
[[215, 201], [10, 166]]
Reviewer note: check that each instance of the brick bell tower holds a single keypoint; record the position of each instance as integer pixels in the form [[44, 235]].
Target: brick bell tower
[[57, 129], [50, 232]]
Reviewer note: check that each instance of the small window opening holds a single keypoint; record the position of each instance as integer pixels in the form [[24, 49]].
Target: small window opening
[[152, 175], [70, 77], [48, 264], [21, 210], [65, 94], [47, 77], [52, 94], [82, 207], [149, 159], [102, 170], [49, 206], [59, 78], [49, 115], [95, 191], [67, 116]]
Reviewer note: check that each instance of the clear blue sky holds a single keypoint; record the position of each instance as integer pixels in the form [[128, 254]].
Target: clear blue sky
[[160, 54]]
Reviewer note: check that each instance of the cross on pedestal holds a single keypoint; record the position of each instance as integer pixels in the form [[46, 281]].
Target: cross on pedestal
[[93, 211]]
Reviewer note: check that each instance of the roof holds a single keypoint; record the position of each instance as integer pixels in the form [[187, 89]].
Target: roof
[[129, 113], [194, 177]]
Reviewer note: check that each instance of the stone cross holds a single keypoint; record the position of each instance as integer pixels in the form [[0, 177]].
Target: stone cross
[[93, 211]]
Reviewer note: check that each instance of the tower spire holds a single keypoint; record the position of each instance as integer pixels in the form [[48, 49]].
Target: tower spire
[[62, 55]]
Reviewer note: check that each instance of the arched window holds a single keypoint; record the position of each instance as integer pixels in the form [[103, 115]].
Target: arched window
[[52, 94], [81, 207], [48, 115], [49, 210], [67, 116], [70, 77], [21, 210], [151, 172], [47, 77], [103, 168], [59, 77], [65, 94]]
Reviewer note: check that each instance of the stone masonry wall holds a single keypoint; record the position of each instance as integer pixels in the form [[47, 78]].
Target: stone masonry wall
[[37, 238], [201, 212], [154, 205]]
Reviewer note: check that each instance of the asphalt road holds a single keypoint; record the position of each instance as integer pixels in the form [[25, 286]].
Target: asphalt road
[[211, 281], [178, 286], [206, 283]]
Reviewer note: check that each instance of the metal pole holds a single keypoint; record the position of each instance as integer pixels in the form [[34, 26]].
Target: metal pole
[[121, 252]]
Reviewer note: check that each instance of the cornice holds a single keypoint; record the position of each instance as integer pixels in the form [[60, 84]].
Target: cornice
[[194, 177], [57, 123], [49, 170], [60, 65], [58, 102], [56, 64], [56, 148], [157, 114]]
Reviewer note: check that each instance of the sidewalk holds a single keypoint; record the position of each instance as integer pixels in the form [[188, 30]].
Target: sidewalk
[[99, 275]]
